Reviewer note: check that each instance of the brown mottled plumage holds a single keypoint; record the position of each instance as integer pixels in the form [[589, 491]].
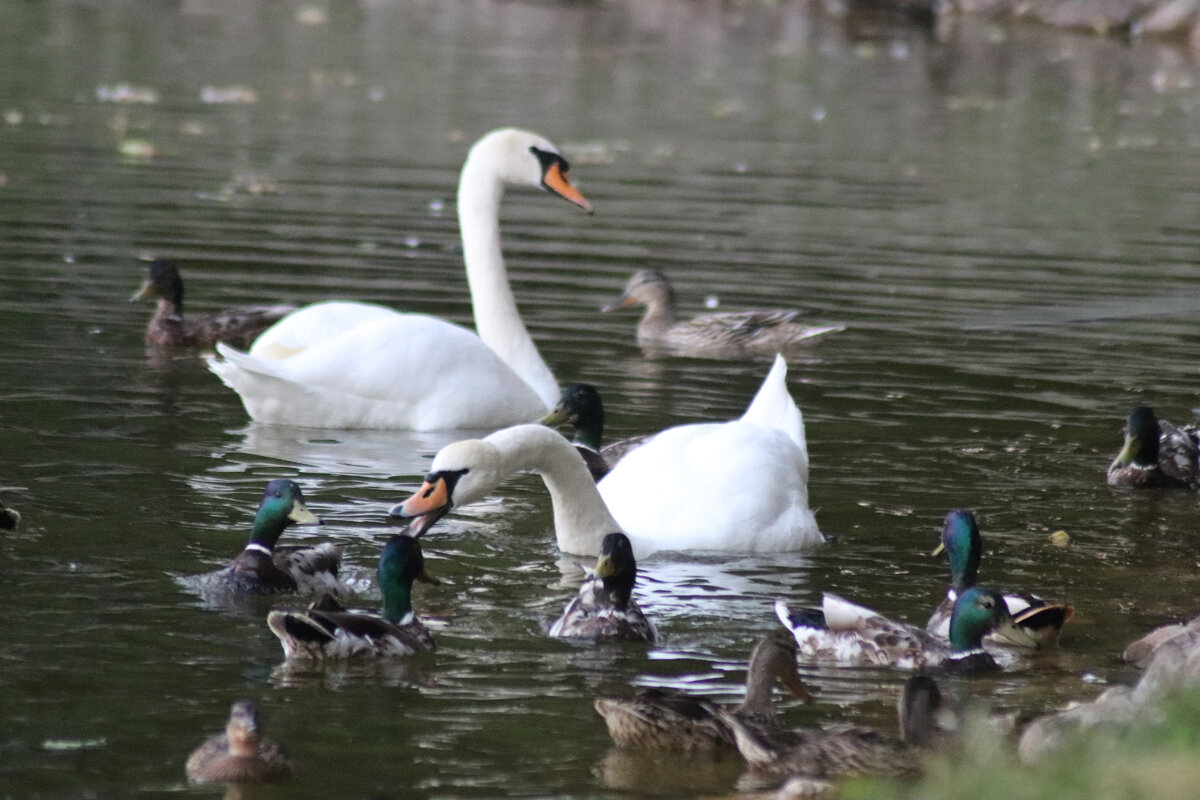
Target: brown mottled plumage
[[169, 328], [728, 334], [817, 753], [604, 607], [662, 719], [1156, 454], [239, 754]]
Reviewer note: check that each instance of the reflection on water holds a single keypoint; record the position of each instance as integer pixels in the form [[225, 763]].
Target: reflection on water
[[1002, 217]]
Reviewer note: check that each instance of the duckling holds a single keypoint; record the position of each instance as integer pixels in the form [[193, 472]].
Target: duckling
[[168, 328], [263, 568], [581, 407], [662, 719], [239, 755], [849, 634], [729, 334], [604, 607], [1156, 455], [8, 518], [326, 630], [963, 547]]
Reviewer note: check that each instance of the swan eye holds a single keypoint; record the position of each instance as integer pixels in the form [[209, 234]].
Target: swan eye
[[548, 159], [450, 476]]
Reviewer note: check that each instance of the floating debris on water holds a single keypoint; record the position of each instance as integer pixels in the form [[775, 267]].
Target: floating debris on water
[[234, 95], [126, 93], [73, 744]]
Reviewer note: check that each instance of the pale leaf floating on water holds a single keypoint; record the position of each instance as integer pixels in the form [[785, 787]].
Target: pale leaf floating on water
[[73, 744]]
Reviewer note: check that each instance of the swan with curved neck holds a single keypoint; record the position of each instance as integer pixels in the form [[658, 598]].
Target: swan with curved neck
[[688, 492], [465, 472], [358, 365]]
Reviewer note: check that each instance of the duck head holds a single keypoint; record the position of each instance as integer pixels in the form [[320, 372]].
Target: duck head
[[401, 563], [282, 505], [648, 287], [978, 611], [580, 407], [962, 546], [1142, 433]]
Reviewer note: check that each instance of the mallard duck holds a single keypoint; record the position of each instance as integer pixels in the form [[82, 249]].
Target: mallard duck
[[581, 407], [850, 634], [684, 489], [8, 518], [357, 365], [816, 753], [819, 753], [963, 547], [264, 568], [169, 328], [1156, 455], [604, 607], [239, 754], [728, 334], [662, 719], [326, 630]]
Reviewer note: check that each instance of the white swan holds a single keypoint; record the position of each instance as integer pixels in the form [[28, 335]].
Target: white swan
[[739, 485], [735, 486], [357, 365]]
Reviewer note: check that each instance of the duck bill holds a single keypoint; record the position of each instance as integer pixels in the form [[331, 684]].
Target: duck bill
[[794, 685], [302, 516], [1127, 453], [605, 567], [559, 416], [144, 292], [620, 302], [429, 504], [1015, 633], [939, 550], [556, 181]]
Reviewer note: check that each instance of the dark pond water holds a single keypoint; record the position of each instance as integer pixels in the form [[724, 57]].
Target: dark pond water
[[1004, 219]]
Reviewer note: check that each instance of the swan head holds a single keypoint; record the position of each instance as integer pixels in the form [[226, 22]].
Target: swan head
[[523, 158], [462, 473]]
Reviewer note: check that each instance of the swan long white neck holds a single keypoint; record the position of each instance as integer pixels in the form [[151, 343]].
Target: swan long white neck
[[497, 319], [581, 519]]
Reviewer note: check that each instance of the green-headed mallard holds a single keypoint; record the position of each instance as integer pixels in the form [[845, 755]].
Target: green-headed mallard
[[846, 633], [1156, 455], [326, 630], [239, 754], [169, 328], [662, 719], [8, 518], [729, 334], [675, 492], [358, 365], [963, 547], [581, 407], [264, 568], [604, 607]]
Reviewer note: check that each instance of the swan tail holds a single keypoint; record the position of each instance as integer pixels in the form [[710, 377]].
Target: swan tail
[[774, 407]]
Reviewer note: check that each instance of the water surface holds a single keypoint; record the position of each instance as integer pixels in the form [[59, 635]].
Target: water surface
[[1003, 219]]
